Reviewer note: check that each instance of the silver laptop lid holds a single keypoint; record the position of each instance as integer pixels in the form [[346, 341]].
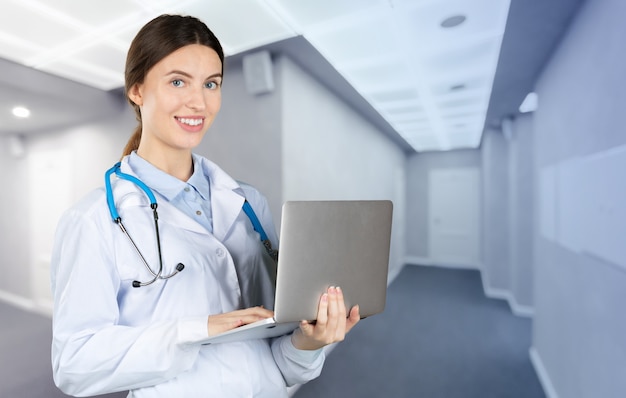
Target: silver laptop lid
[[332, 243]]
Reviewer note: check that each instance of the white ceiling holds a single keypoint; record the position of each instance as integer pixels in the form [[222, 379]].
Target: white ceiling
[[431, 84]]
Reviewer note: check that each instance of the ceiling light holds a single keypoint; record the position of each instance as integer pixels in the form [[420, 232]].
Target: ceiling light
[[530, 103], [453, 21], [21, 112]]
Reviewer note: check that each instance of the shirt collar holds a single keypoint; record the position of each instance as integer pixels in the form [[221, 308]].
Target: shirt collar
[[165, 184]]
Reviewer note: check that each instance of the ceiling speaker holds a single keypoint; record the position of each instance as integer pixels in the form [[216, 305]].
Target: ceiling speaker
[[257, 73]]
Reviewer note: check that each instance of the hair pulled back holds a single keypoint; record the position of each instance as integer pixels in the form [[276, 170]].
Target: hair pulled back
[[155, 41]]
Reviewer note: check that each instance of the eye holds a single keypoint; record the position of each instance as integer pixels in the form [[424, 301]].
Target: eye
[[177, 83], [212, 85]]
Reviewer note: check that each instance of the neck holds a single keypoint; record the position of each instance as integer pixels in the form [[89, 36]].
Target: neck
[[178, 164]]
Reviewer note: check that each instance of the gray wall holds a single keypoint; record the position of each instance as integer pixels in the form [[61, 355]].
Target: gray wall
[[521, 209], [331, 152], [14, 258], [496, 225], [246, 137], [508, 214], [579, 343]]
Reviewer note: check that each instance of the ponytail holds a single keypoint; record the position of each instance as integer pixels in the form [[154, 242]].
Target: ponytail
[[133, 142]]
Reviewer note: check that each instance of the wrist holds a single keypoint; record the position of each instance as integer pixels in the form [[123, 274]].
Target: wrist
[[301, 342]]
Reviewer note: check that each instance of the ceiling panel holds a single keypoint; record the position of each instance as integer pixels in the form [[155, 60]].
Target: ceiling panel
[[310, 15], [29, 26], [104, 55], [15, 49], [356, 42], [256, 24], [401, 107], [125, 34], [84, 13], [88, 74], [394, 95]]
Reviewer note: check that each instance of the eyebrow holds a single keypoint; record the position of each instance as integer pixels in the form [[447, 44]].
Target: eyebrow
[[180, 72]]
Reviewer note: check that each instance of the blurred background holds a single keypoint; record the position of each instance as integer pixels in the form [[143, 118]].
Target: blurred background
[[496, 127]]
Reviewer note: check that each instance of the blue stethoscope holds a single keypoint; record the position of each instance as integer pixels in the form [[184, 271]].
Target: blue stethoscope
[[153, 205], [118, 220]]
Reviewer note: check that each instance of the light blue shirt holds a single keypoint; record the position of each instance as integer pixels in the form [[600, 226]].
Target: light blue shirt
[[192, 197]]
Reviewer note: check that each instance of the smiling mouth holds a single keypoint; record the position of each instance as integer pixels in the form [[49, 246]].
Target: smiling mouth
[[190, 121]]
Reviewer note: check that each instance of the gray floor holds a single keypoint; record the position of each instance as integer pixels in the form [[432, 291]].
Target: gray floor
[[439, 337]]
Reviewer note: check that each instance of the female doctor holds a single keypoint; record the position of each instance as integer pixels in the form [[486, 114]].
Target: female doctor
[[135, 291]]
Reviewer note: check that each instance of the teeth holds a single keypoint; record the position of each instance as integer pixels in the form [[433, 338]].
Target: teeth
[[191, 122]]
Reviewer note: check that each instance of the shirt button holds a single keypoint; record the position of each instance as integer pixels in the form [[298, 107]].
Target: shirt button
[[198, 212], [220, 252], [186, 189]]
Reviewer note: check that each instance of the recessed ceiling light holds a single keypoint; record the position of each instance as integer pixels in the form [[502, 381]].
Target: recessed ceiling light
[[21, 112], [453, 21]]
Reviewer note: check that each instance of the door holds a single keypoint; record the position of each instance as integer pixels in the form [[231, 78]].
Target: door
[[454, 230]]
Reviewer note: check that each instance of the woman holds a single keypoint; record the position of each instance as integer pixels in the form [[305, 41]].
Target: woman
[[118, 323]]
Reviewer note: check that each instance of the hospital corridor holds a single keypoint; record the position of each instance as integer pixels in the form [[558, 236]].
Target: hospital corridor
[[495, 127]]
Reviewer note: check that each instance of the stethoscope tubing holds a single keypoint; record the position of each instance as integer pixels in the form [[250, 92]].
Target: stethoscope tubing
[[118, 220]]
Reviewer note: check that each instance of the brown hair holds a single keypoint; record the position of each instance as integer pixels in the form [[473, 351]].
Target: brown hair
[[155, 41]]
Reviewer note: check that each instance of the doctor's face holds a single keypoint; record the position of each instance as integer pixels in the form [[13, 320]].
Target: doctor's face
[[179, 99]]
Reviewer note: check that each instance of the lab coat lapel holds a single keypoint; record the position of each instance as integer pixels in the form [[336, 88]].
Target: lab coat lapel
[[226, 202]]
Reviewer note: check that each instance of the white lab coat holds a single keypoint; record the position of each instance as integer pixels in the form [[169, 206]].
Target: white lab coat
[[109, 336]]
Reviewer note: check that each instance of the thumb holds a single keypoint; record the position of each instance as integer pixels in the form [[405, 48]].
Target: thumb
[[354, 318], [306, 328]]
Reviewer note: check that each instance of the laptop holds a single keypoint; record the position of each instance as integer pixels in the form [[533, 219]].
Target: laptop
[[323, 244]]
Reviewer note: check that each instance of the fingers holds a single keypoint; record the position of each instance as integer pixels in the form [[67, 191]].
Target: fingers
[[340, 330], [222, 322], [259, 311], [322, 309], [331, 317], [332, 322], [333, 311]]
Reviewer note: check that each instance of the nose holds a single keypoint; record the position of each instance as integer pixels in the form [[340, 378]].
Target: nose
[[196, 100]]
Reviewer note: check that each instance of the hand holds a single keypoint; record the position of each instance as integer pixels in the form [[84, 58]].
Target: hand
[[220, 323], [331, 325]]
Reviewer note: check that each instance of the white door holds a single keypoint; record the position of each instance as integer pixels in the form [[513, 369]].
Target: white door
[[454, 230]]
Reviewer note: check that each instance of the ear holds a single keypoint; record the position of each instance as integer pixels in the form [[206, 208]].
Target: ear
[[135, 94]]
